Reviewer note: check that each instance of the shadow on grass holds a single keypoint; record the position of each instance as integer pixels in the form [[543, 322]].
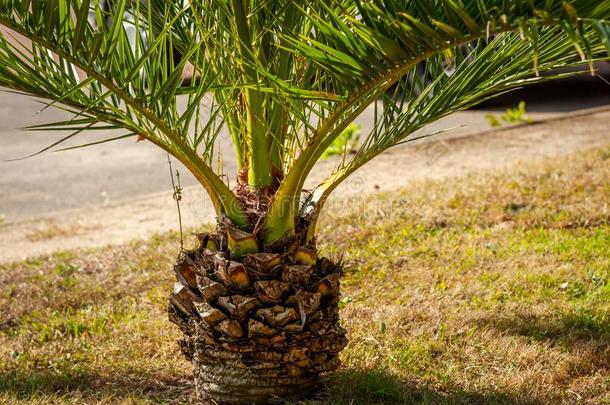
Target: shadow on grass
[[574, 329], [586, 333], [88, 386], [377, 387], [345, 387]]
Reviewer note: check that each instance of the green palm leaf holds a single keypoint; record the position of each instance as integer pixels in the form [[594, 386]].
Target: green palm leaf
[[285, 78]]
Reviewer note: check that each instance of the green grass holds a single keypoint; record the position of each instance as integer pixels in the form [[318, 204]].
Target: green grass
[[492, 289]]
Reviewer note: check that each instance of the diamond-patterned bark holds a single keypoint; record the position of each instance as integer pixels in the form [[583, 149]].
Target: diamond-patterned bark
[[261, 326]]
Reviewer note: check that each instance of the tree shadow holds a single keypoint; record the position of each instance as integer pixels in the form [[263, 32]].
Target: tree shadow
[[91, 386], [584, 327], [585, 332], [378, 387], [345, 387]]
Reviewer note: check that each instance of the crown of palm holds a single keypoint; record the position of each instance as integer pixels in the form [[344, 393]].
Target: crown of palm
[[284, 78]]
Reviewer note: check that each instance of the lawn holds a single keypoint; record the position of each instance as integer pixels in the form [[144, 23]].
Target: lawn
[[489, 289]]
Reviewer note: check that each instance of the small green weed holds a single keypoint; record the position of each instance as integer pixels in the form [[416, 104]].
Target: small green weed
[[517, 115], [347, 142]]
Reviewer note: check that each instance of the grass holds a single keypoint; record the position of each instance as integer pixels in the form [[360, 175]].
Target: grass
[[52, 231], [492, 289]]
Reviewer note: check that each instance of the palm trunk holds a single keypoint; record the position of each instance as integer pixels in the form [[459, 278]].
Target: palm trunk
[[260, 327]]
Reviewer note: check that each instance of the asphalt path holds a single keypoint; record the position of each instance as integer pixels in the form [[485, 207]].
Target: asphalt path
[[126, 170]]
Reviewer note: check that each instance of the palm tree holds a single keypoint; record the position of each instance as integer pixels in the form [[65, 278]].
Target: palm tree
[[256, 304]]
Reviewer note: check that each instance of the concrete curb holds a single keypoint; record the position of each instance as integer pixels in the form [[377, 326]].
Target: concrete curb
[[567, 116]]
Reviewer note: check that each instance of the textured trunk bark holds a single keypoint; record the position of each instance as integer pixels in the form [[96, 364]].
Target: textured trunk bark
[[231, 384], [260, 327]]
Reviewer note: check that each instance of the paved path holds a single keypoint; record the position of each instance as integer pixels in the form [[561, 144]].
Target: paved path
[[117, 191], [118, 222], [124, 170]]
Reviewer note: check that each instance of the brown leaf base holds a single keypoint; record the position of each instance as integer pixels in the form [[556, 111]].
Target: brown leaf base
[[258, 328]]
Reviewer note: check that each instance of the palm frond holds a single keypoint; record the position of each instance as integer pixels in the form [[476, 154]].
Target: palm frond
[[384, 41], [106, 76], [284, 77], [485, 70]]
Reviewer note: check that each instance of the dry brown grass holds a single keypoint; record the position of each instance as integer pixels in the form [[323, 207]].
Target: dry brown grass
[[52, 230], [491, 289]]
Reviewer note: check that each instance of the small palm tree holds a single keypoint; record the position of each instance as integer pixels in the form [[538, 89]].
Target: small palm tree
[[256, 304]]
